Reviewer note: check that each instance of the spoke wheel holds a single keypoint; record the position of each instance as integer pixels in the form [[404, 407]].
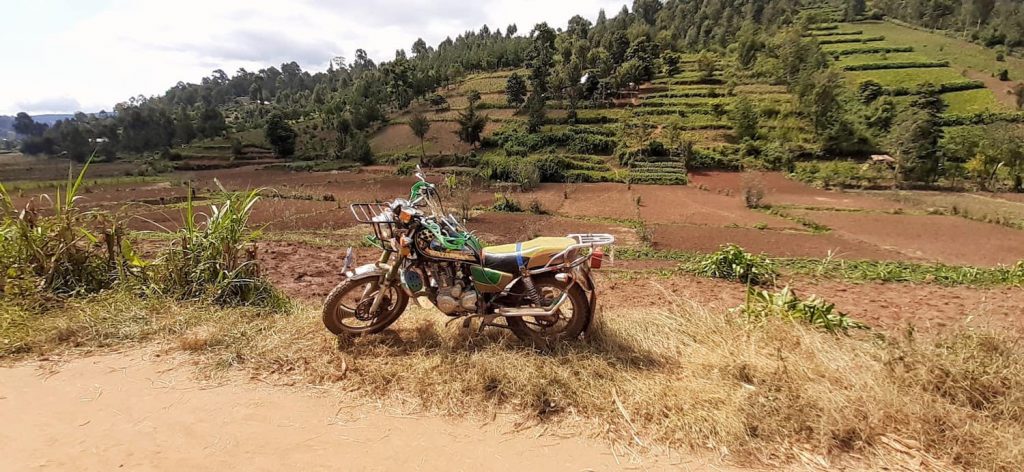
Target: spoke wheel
[[567, 323], [347, 310]]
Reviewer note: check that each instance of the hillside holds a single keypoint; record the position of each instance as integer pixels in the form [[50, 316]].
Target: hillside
[[640, 97]]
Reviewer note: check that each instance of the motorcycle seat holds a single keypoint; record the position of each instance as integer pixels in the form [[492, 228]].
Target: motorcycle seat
[[531, 254]]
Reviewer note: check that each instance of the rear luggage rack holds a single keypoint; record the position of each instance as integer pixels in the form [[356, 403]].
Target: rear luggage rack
[[583, 241]]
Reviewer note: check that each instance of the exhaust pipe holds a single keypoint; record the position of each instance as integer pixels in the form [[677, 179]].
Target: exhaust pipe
[[520, 312]]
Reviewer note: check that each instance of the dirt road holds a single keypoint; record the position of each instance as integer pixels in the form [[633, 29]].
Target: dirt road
[[138, 411]]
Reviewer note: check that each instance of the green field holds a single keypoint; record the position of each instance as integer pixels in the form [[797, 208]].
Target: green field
[[906, 77], [973, 101], [960, 54]]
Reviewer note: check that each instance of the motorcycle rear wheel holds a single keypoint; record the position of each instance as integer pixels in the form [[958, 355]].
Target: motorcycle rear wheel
[[342, 310], [567, 324]]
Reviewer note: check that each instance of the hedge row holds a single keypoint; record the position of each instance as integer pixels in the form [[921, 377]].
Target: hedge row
[[823, 27], [982, 118], [946, 87], [661, 166], [833, 33], [687, 94], [689, 81], [870, 50], [841, 40], [658, 179], [896, 65]]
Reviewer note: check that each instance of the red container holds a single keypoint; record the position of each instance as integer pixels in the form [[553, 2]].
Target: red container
[[596, 258]]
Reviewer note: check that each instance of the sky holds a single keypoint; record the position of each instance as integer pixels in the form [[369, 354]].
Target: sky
[[62, 56]]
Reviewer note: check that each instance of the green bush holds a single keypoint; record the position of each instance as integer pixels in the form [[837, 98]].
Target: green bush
[[522, 171], [731, 262], [505, 204]]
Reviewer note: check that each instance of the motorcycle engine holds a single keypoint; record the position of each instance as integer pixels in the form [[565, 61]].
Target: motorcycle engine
[[454, 299]]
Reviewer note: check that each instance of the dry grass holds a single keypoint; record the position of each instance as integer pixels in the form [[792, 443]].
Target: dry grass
[[769, 393]]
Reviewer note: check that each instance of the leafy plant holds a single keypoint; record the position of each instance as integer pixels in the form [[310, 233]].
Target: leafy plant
[[731, 262], [65, 250], [503, 202], [213, 256], [787, 305]]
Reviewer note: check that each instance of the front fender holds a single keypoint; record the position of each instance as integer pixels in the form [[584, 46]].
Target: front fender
[[366, 270]]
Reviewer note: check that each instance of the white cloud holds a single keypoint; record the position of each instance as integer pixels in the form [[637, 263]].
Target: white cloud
[[145, 46]]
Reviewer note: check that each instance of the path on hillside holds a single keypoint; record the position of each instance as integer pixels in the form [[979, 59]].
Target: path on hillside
[[138, 411]]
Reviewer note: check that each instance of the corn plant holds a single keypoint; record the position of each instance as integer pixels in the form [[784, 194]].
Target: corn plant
[[213, 255], [64, 251], [787, 305], [733, 263]]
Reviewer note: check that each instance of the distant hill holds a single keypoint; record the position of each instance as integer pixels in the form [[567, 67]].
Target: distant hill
[[7, 121]]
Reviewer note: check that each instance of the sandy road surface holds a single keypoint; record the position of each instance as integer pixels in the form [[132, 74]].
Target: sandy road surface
[[137, 411]]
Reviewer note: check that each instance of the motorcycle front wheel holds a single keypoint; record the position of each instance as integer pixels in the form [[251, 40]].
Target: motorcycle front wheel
[[566, 324], [347, 308]]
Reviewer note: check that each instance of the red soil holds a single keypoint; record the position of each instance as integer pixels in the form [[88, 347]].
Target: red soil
[[889, 307], [948, 239], [775, 243], [780, 190]]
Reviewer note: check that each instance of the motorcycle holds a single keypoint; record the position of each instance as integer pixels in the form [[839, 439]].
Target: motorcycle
[[542, 289]]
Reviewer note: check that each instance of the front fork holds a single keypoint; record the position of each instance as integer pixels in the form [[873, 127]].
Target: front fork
[[387, 279]]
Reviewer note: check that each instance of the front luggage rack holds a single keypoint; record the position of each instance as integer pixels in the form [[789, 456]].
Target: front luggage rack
[[379, 216]]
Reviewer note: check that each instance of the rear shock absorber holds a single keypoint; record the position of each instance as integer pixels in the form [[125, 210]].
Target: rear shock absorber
[[531, 290]]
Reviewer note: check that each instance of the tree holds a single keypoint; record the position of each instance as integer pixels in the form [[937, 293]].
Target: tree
[[438, 102], [745, 119], [515, 90], [671, 62], [420, 125], [471, 125], [855, 9], [211, 123], [26, 126], [473, 97], [535, 113], [913, 141], [184, 131], [360, 150], [280, 135], [707, 64], [869, 91]]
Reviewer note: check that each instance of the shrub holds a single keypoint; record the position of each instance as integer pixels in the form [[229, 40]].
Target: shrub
[[58, 251], [406, 168], [213, 258], [785, 304], [504, 203], [731, 262]]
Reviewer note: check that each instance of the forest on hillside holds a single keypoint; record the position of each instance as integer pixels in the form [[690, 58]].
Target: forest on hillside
[[686, 49]]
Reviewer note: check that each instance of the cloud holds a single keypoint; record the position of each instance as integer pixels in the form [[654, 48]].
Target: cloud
[[49, 105], [122, 48]]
